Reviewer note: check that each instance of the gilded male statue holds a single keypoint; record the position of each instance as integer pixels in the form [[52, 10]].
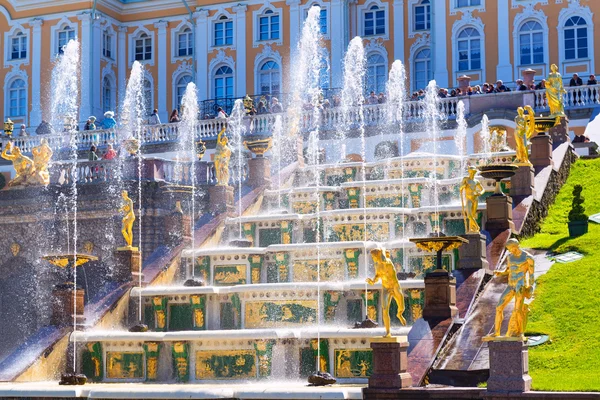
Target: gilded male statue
[[222, 157], [519, 269], [470, 190], [555, 92], [525, 129], [128, 218], [41, 158], [22, 164], [384, 270]]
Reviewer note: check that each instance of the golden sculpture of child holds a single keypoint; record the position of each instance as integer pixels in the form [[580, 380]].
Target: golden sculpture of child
[[128, 218], [22, 164], [384, 270], [222, 157], [41, 158], [470, 190]]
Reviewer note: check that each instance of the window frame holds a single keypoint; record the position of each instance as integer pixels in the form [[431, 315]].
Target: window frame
[[134, 37], [189, 49], [225, 76], [267, 9], [268, 16], [378, 65], [455, 8], [575, 29], [111, 99], [178, 97], [368, 8], [428, 65], [270, 73], [223, 20], [530, 34], [427, 16], [67, 29], [469, 41], [108, 52], [20, 99]]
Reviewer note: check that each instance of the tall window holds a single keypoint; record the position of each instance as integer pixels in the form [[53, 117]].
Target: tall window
[[469, 50], [423, 16], [106, 44], [374, 21], [143, 48], [107, 95], [148, 97], [269, 78], [17, 99], [376, 73], [323, 21], [467, 3], [224, 83], [268, 26], [223, 32], [185, 43], [66, 34], [18, 46], [531, 43], [422, 69], [576, 38], [180, 89]]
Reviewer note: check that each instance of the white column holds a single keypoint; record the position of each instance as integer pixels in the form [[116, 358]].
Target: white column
[[95, 71], [504, 69], [336, 33], [201, 50], [399, 30], [161, 55], [86, 69], [240, 50], [35, 116], [438, 43], [295, 23], [122, 62]]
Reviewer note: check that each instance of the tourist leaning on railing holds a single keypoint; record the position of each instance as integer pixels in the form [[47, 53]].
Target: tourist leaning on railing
[[174, 118]]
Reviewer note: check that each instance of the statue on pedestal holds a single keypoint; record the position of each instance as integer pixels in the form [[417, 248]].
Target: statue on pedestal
[[128, 218], [384, 270], [22, 164], [524, 131], [470, 190], [41, 158], [519, 269], [222, 157], [555, 92]]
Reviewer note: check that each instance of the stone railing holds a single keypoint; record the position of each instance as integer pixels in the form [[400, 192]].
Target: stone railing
[[575, 97]]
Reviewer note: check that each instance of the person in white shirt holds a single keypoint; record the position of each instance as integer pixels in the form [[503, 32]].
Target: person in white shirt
[[154, 119], [221, 114]]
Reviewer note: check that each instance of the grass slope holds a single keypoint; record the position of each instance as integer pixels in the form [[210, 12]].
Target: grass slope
[[567, 298]]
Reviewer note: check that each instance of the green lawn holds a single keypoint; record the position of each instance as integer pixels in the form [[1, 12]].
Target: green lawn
[[567, 298]]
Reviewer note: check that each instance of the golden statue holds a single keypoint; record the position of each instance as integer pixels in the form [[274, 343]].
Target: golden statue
[[524, 131], [128, 218], [222, 157], [22, 164], [519, 269], [470, 190], [498, 139], [41, 158], [384, 270], [555, 92]]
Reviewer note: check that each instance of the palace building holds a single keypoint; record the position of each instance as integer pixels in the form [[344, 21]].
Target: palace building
[[231, 49]]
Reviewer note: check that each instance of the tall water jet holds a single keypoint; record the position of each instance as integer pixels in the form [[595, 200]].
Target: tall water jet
[[277, 153], [65, 95], [460, 139], [432, 116], [238, 130], [485, 140]]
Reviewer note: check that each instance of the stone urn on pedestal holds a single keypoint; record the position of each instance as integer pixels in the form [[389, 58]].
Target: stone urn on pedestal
[[498, 205], [259, 167]]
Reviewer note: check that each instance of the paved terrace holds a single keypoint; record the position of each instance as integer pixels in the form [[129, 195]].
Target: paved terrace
[[579, 102]]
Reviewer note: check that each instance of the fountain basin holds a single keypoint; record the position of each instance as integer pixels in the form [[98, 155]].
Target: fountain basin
[[65, 260], [259, 147], [544, 124], [498, 172]]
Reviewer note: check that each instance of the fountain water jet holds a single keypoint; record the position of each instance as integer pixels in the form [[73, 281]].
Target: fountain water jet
[[432, 117], [461, 137]]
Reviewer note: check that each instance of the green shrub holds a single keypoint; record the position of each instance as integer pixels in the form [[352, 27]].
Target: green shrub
[[577, 212]]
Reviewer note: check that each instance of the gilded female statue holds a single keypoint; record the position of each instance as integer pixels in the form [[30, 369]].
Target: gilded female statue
[[470, 190], [128, 218], [222, 157], [524, 131], [555, 92]]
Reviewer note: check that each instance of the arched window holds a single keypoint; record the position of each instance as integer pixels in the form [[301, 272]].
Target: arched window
[[374, 21], [469, 49], [107, 95], [64, 35], [148, 96], [531, 43], [422, 14], [268, 25], [422, 73], [143, 47], [576, 38], [269, 78], [18, 46], [223, 31], [180, 89], [185, 43], [17, 99], [376, 73], [224, 82]]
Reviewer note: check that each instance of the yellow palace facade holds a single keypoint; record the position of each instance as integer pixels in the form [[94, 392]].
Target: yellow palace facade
[[231, 48]]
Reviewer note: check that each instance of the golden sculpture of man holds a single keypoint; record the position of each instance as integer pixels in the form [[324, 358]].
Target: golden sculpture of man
[[524, 130], [22, 164], [222, 157], [519, 269], [555, 92], [384, 270], [128, 218], [41, 158], [470, 190]]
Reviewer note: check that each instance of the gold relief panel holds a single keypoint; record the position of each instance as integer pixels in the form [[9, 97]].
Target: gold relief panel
[[353, 363], [124, 365], [225, 364], [230, 274], [306, 270], [354, 232], [280, 313], [304, 207]]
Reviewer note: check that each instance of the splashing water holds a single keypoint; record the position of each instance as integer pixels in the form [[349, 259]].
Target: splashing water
[[277, 150], [432, 120], [238, 130], [485, 140], [65, 92], [461, 137]]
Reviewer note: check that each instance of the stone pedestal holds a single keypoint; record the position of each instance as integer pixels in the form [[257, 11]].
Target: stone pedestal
[[220, 199], [259, 172], [464, 82], [541, 151], [178, 227], [390, 362], [127, 264], [499, 214], [473, 254], [522, 183], [509, 366], [64, 301], [560, 133], [440, 295]]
